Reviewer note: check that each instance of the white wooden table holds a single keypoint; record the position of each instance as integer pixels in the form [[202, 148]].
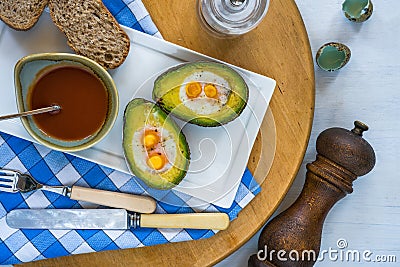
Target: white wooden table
[[367, 89]]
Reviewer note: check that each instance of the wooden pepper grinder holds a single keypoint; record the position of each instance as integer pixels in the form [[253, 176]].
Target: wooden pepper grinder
[[343, 155]]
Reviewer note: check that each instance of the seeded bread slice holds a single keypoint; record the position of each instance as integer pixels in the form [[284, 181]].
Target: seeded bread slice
[[91, 30], [21, 14]]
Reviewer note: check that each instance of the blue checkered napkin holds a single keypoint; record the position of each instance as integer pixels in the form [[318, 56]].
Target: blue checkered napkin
[[133, 14], [57, 168]]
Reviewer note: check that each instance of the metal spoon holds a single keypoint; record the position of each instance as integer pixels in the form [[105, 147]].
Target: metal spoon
[[53, 108]]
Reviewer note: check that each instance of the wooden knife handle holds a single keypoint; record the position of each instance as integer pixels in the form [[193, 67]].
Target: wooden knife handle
[[137, 203], [216, 221]]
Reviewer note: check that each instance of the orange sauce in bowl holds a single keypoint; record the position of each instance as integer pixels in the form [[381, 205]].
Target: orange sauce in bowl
[[82, 96]]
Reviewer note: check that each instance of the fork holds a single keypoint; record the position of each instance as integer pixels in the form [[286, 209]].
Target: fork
[[14, 181]]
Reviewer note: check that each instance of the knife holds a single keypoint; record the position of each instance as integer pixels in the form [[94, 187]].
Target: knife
[[111, 219]]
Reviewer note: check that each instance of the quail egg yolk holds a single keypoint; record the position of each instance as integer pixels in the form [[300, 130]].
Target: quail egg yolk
[[210, 91], [150, 139], [193, 89], [156, 161]]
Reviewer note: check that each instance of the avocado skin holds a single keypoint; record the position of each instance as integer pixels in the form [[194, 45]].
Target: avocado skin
[[134, 113], [241, 93]]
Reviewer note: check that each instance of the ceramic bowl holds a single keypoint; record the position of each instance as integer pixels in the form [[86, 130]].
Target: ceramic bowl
[[26, 71]]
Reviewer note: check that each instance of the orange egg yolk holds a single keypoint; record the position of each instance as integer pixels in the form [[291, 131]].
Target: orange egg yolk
[[150, 139], [156, 161], [193, 89], [210, 90]]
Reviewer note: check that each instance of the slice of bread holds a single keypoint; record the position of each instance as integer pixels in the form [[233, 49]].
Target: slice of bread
[[91, 30], [21, 14]]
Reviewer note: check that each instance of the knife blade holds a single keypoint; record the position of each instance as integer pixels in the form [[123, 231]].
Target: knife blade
[[111, 219]]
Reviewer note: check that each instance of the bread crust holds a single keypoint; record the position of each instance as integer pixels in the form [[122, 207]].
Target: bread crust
[[21, 14], [91, 30]]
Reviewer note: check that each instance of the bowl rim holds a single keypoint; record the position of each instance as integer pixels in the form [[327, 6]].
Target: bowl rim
[[87, 62]]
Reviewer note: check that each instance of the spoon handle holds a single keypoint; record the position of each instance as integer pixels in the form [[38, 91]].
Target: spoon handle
[[31, 112]]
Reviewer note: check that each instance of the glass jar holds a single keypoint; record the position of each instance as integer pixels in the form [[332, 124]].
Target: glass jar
[[231, 18]]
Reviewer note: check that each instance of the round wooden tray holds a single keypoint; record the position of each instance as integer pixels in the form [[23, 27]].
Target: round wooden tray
[[278, 48]]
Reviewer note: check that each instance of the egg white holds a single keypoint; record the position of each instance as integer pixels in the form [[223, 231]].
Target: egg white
[[202, 104]]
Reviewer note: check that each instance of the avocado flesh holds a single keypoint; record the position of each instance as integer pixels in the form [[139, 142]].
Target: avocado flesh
[[168, 85], [138, 114]]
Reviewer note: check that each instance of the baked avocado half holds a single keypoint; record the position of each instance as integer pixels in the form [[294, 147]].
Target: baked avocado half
[[155, 149], [204, 93]]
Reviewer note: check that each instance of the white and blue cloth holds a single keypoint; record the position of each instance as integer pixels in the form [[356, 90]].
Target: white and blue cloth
[[56, 168]]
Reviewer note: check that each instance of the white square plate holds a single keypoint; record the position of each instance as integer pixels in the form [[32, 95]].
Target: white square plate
[[219, 155]]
